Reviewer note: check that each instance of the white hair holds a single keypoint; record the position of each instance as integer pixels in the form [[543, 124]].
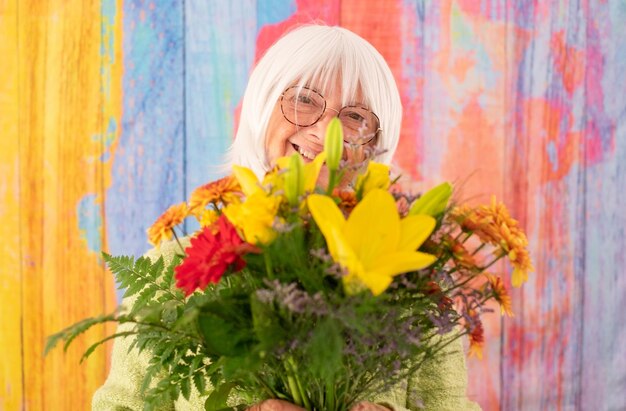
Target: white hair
[[318, 55]]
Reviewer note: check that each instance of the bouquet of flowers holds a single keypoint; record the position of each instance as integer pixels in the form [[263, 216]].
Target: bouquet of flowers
[[320, 296]]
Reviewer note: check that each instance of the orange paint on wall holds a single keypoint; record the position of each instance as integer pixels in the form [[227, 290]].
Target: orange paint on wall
[[569, 62], [11, 389], [556, 144], [385, 34], [55, 160]]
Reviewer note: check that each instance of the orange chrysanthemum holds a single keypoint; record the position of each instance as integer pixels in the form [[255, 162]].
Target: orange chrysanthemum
[[163, 227], [461, 256], [493, 225], [225, 190], [501, 294], [476, 335]]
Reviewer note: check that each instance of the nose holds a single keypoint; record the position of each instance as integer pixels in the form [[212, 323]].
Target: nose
[[319, 128]]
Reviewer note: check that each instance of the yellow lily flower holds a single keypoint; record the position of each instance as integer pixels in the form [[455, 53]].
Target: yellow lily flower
[[374, 244], [247, 180], [255, 216], [376, 176]]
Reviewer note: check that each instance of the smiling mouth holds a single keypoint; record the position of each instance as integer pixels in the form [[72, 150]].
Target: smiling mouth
[[306, 154]]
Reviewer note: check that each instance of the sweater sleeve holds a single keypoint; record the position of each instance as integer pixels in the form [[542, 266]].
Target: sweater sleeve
[[439, 385], [122, 388]]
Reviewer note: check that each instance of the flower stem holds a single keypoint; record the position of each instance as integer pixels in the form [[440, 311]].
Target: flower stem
[[301, 392], [178, 241], [268, 266], [293, 387], [330, 395], [332, 177]]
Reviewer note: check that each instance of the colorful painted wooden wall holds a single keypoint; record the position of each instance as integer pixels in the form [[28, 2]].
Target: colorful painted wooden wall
[[111, 110]]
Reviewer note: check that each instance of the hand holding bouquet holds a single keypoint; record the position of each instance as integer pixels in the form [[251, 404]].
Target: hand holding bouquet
[[319, 296]]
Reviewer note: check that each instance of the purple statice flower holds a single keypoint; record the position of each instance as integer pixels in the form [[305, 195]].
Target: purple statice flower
[[265, 296], [293, 298], [321, 254], [282, 227], [443, 323]]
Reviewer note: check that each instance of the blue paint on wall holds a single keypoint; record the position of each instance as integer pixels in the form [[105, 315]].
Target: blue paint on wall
[[274, 11], [89, 214], [220, 44], [147, 169]]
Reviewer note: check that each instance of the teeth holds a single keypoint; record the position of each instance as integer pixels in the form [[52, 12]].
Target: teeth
[[306, 154]]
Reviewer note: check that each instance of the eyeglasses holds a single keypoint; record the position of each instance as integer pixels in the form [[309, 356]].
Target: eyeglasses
[[303, 107]]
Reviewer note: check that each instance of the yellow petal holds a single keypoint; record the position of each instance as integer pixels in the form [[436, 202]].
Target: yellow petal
[[283, 162], [401, 262], [376, 282], [376, 176], [373, 228], [519, 277], [328, 217], [312, 172], [414, 230], [247, 180]]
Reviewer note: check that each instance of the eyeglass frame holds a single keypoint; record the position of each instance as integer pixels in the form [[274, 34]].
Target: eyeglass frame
[[282, 110]]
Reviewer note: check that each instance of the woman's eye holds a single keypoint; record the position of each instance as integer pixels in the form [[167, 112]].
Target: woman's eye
[[356, 116], [305, 100]]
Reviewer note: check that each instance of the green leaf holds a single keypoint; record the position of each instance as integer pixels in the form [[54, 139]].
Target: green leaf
[[199, 382], [91, 349], [185, 388], [219, 396], [70, 333]]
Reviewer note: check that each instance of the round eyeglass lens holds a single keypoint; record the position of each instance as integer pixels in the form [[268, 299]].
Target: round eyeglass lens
[[302, 107]]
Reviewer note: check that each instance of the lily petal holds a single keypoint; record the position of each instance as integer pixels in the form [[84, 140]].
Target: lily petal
[[328, 218], [247, 180], [312, 172], [377, 282], [401, 262], [414, 230], [373, 228]]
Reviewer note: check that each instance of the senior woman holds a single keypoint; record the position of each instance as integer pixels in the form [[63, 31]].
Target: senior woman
[[306, 78]]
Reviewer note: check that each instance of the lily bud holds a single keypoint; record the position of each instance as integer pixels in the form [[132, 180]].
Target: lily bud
[[333, 144], [433, 202], [294, 179]]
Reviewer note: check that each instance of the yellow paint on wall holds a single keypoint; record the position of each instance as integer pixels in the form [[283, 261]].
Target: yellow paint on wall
[[56, 106], [10, 277]]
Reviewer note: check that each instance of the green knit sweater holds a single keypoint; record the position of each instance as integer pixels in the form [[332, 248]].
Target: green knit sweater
[[439, 384]]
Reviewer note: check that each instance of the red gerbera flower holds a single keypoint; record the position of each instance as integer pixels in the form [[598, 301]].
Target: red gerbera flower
[[211, 253]]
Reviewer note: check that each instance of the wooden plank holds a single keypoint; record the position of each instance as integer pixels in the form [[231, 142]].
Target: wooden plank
[[61, 184], [546, 173], [11, 384], [398, 38], [602, 377], [219, 52], [276, 17], [453, 122], [147, 162]]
